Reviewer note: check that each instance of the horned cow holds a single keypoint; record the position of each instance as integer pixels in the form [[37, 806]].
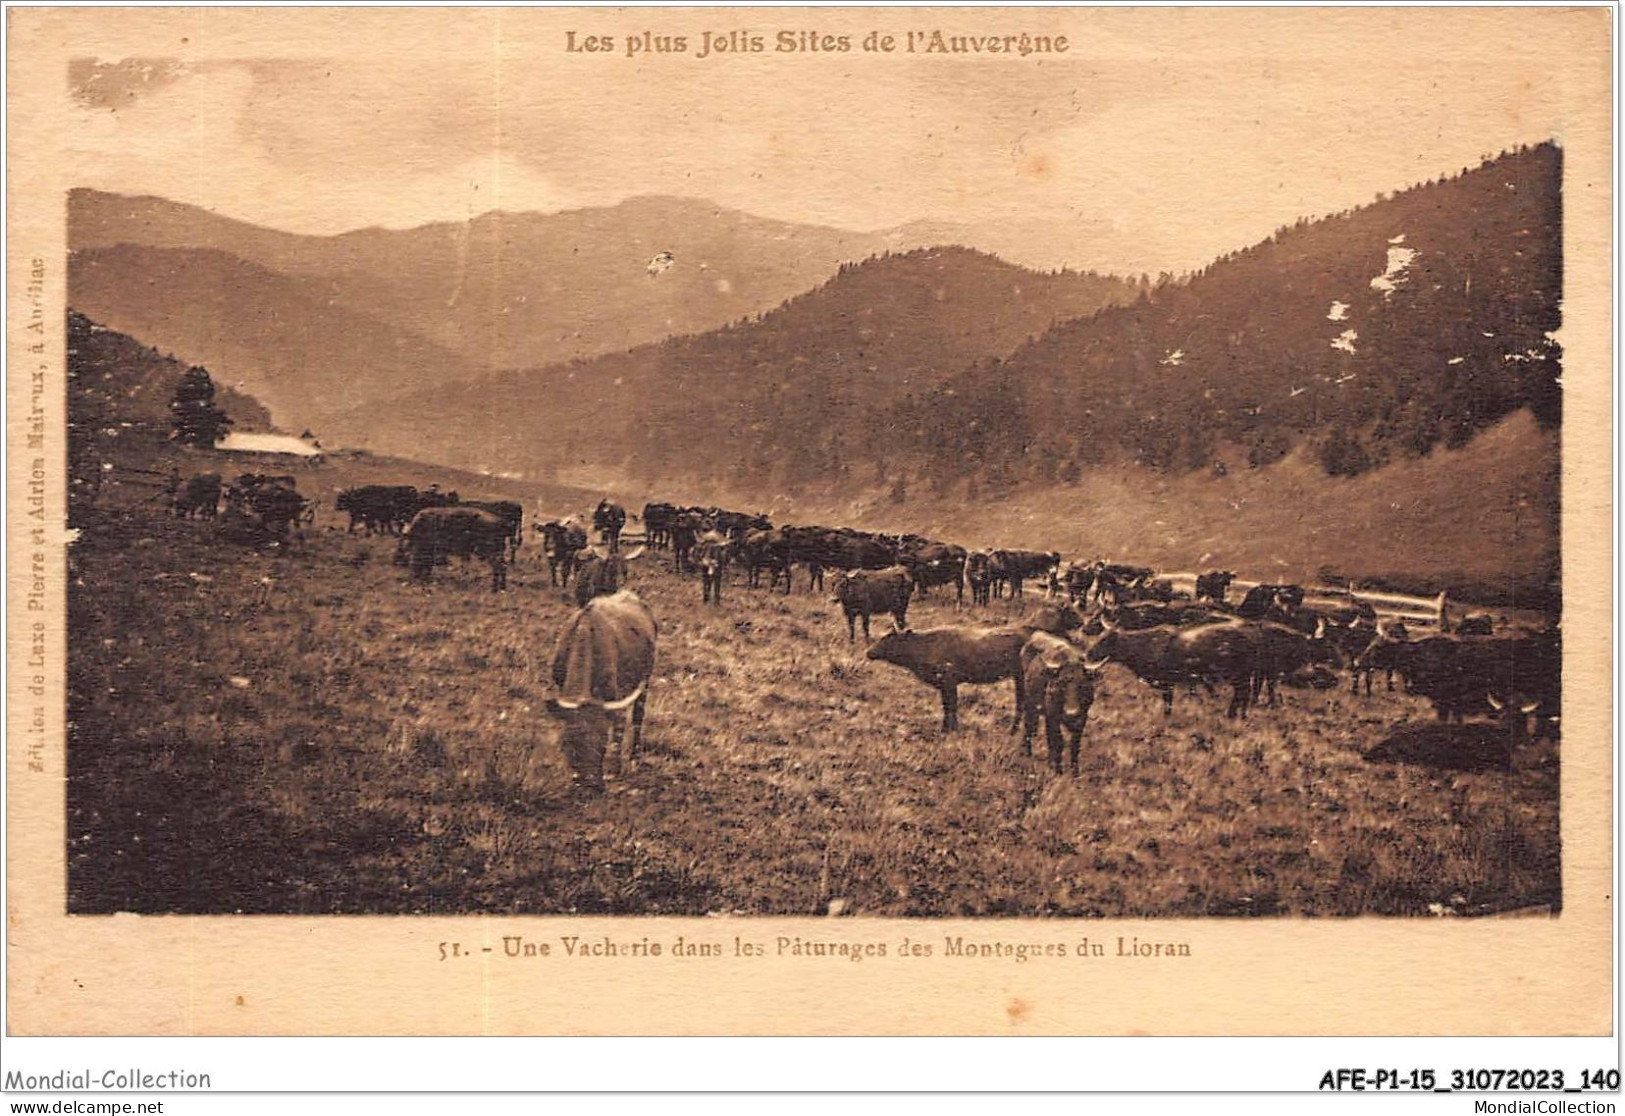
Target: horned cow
[[602, 667]]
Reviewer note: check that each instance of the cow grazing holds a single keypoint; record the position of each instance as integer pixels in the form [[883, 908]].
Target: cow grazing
[[608, 519], [710, 557], [601, 572], [1058, 683], [436, 534], [602, 668], [1214, 585], [562, 541], [199, 495], [1477, 624], [866, 592], [1012, 567], [944, 658]]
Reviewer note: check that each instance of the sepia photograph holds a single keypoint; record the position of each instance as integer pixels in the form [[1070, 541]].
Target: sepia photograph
[[852, 485]]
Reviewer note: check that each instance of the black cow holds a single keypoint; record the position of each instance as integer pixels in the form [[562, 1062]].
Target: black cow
[[866, 592], [1479, 676], [1059, 686], [686, 527], [657, 523], [932, 563], [436, 534], [710, 557], [764, 550], [512, 515], [1270, 602], [1011, 567], [608, 519], [979, 573], [1214, 585], [200, 495], [562, 541], [1226, 652]]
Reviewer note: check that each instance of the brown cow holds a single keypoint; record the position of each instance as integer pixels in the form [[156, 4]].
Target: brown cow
[[945, 657], [600, 573], [1058, 681], [436, 534], [602, 666]]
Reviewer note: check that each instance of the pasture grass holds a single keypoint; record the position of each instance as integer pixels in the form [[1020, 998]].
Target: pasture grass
[[308, 732]]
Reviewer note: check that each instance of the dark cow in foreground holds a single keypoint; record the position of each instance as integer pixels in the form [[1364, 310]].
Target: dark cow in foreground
[[602, 668], [710, 557], [1012, 567], [1478, 676], [1477, 624], [944, 658], [866, 592], [1474, 746], [512, 516], [562, 540], [608, 519], [1214, 585], [436, 534], [1058, 683], [200, 494], [601, 572], [933, 563]]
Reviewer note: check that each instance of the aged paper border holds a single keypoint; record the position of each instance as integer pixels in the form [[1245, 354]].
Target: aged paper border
[[123, 975]]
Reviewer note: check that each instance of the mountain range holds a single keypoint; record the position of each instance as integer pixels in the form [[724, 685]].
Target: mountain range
[[667, 337], [318, 326]]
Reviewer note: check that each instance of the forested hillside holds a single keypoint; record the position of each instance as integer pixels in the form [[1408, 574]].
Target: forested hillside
[[1415, 322]]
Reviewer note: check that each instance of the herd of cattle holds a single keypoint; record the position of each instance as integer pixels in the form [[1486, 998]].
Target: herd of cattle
[[1093, 613]]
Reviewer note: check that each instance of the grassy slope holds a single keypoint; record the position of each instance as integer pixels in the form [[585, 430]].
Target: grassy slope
[[1479, 518], [383, 748]]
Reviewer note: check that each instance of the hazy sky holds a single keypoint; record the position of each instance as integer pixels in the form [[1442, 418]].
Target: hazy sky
[[1162, 138]]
